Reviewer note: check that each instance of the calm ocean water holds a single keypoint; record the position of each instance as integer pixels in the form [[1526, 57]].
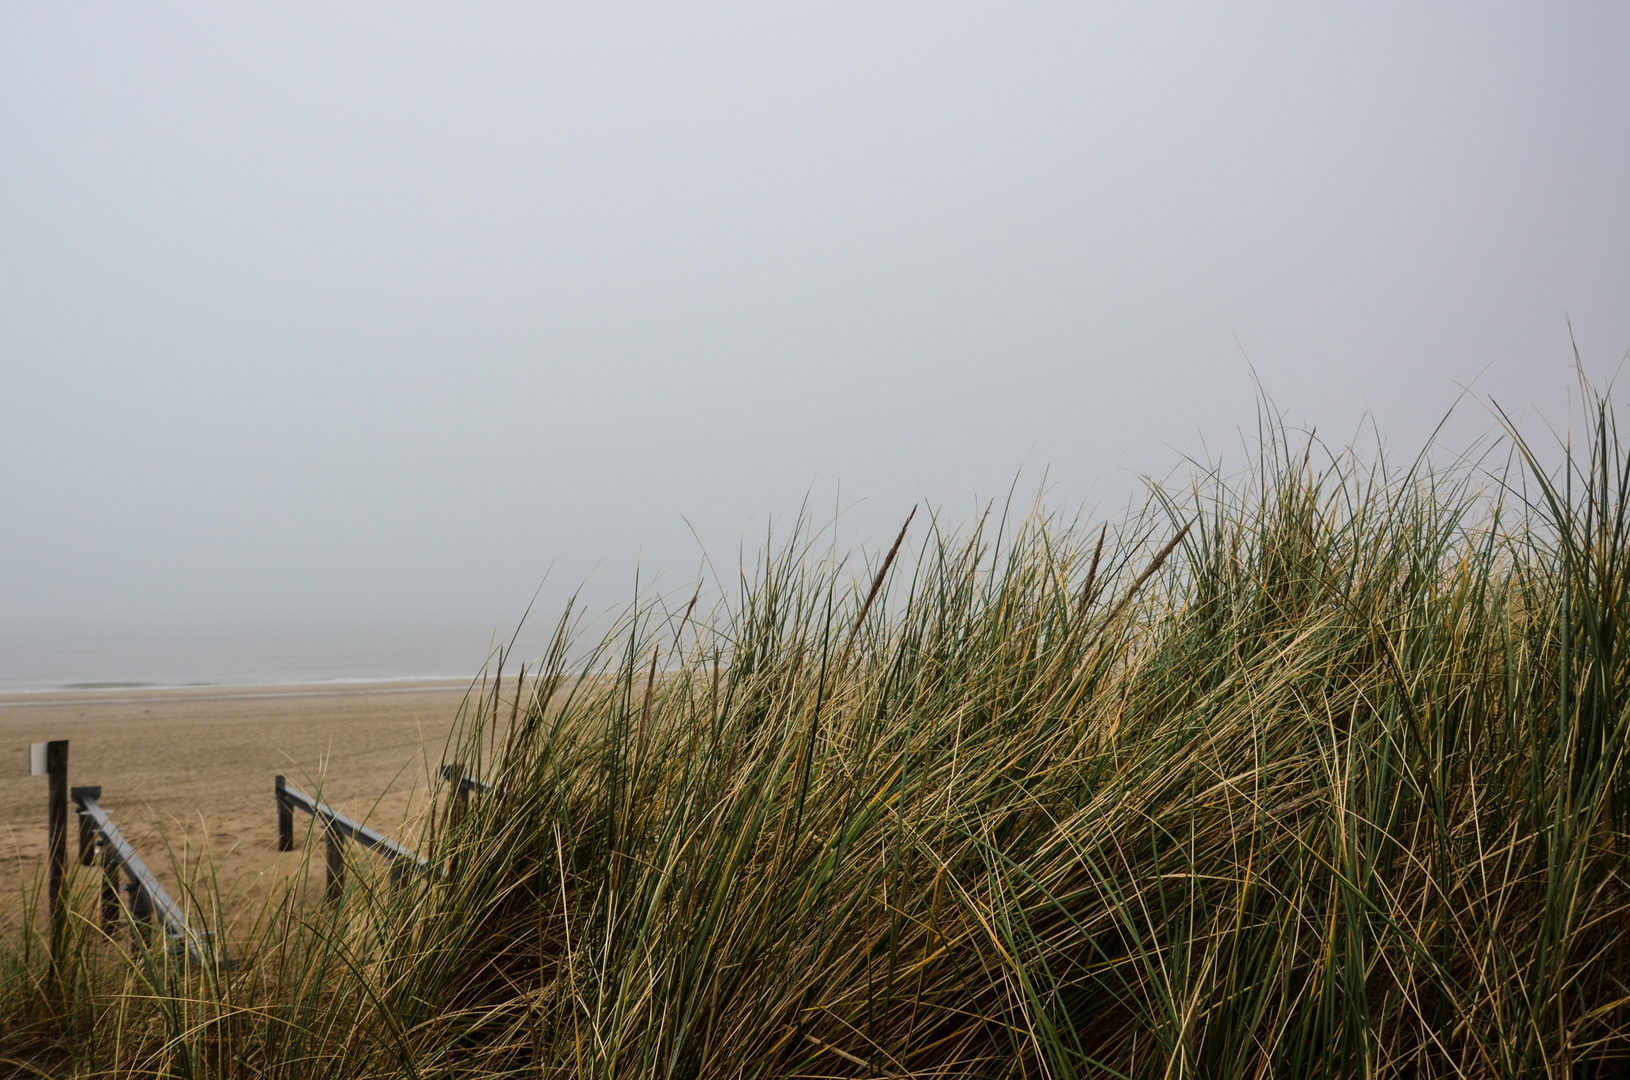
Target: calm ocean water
[[108, 658]]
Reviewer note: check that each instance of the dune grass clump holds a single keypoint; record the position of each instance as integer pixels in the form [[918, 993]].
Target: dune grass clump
[[1316, 773]]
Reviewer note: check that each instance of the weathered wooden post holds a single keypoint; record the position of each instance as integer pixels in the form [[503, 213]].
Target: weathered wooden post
[[90, 842], [335, 857], [87, 828], [285, 819], [141, 906], [50, 759], [88, 845], [454, 774], [461, 793], [110, 887]]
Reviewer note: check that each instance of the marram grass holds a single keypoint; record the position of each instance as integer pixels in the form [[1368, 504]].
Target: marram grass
[[1335, 785]]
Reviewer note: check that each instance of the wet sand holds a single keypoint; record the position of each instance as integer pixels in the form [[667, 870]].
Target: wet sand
[[193, 769]]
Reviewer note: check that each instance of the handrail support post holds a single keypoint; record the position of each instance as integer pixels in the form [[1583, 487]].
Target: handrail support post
[[56, 769], [110, 887], [334, 856], [285, 817]]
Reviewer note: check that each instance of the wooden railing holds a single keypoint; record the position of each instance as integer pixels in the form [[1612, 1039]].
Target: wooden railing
[[99, 836], [337, 829]]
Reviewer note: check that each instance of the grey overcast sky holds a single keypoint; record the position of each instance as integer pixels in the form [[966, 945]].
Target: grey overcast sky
[[368, 312]]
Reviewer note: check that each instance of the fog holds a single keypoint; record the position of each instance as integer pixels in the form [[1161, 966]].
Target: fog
[[382, 315]]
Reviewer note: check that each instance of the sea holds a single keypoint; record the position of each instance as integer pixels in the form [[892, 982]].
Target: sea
[[104, 658]]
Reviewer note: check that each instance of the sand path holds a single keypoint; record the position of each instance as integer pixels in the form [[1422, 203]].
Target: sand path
[[195, 768]]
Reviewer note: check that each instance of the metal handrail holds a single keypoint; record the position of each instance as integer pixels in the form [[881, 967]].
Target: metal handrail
[[147, 896]]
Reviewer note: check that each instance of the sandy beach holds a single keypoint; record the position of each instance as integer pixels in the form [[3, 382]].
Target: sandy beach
[[193, 769]]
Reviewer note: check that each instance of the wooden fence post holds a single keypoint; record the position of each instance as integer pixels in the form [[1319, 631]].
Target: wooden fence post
[[461, 805], [335, 857], [141, 906], [454, 774], [110, 887], [87, 849], [51, 758], [87, 831], [56, 767], [285, 819]]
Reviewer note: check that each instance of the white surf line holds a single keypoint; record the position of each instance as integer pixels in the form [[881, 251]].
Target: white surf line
[[228, 697]]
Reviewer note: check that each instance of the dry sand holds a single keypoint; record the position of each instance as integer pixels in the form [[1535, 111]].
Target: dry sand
[[194, 768]]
